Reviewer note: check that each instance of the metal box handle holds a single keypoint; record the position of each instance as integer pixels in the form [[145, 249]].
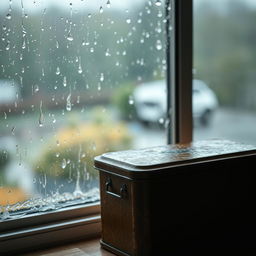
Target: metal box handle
[[123, 189]]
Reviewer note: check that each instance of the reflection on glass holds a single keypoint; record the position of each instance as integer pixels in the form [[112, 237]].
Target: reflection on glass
[[224, 58], [68, 70]]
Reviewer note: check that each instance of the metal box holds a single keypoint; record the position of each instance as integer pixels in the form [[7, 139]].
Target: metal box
[[178, 198]]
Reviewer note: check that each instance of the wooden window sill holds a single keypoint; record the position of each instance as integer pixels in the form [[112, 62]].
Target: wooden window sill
[[83, 248]]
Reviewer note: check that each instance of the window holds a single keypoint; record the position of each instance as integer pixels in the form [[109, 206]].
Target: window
[[72, 75], [224, 58]]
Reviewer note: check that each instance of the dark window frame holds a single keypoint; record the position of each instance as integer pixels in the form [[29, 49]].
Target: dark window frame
[[66, 225]]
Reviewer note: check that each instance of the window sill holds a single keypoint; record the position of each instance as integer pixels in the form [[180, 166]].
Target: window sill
[[53, 231]]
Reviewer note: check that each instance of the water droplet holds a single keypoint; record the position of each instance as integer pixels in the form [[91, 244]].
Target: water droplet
[[13, 130], [57, 143], [91, 49], [53, 119], [57, 71], [101, 9], [64, 163], [158, 3], [131, 100], [70, 37], [89, 15], [108, 4], [80, 70], [128, 20], [5, 115], [36, 88], [159, 45], [41, 116], [7, 47], [107, 53], [8, 16], [24, 43], [64, 81], [161, 120], [4, 27], [57, 154], [69, 105], [57, 44], [101, 77]]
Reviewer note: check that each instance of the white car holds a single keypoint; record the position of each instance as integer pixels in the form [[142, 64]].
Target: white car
[[150, 101]]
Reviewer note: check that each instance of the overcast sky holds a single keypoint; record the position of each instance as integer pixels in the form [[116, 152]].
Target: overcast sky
[[30, 5]]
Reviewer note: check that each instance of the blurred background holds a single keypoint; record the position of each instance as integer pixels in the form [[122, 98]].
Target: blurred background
[[80, 78]]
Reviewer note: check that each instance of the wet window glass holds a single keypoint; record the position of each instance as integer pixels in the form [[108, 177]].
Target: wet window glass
[[224, 60], [77, 79]]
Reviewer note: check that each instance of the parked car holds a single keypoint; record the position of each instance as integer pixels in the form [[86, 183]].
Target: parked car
[[150, 101], [9, 90]]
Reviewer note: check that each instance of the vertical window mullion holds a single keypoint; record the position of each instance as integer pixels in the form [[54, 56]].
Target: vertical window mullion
[[179, 71]]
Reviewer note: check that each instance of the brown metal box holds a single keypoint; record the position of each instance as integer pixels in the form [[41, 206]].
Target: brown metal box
[[178, 198]]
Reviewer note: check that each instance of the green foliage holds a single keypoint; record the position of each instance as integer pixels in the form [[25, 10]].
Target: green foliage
[[124, 102], [224, 51], [73, 148]]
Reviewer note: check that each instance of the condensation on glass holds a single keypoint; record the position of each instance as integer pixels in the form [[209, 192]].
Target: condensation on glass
[[77, 79]]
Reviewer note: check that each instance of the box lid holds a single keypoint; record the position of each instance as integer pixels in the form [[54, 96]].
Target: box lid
[[141, 162]]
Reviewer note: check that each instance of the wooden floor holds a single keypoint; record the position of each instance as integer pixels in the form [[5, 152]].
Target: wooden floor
[[86, 248]]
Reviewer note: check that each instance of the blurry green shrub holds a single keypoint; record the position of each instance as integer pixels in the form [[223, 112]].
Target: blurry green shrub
[[73, 148], [124, 101]]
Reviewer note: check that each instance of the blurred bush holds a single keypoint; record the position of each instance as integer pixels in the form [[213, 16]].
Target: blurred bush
[[124, 102], [73, 148]]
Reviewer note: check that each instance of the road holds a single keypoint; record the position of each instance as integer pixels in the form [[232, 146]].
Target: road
[[226, 124]]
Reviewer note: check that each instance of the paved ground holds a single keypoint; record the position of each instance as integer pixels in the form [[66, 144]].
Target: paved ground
[[226, 124]]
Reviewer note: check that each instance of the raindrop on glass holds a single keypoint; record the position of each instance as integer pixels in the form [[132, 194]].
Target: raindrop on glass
[[131, 100], [159, 45], [7, 47], [24, 44], [8, 16], [69, 105], [36, 88], [64, 163], [64, 81], [108, 4], [158, 3], [101, 9], [161, 120], [57, 154], [57, 71], [101, 77], [107, 53], [13, 130], [41, 116], [70, 37], [57, 44], [128, 21], [80, 70]]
